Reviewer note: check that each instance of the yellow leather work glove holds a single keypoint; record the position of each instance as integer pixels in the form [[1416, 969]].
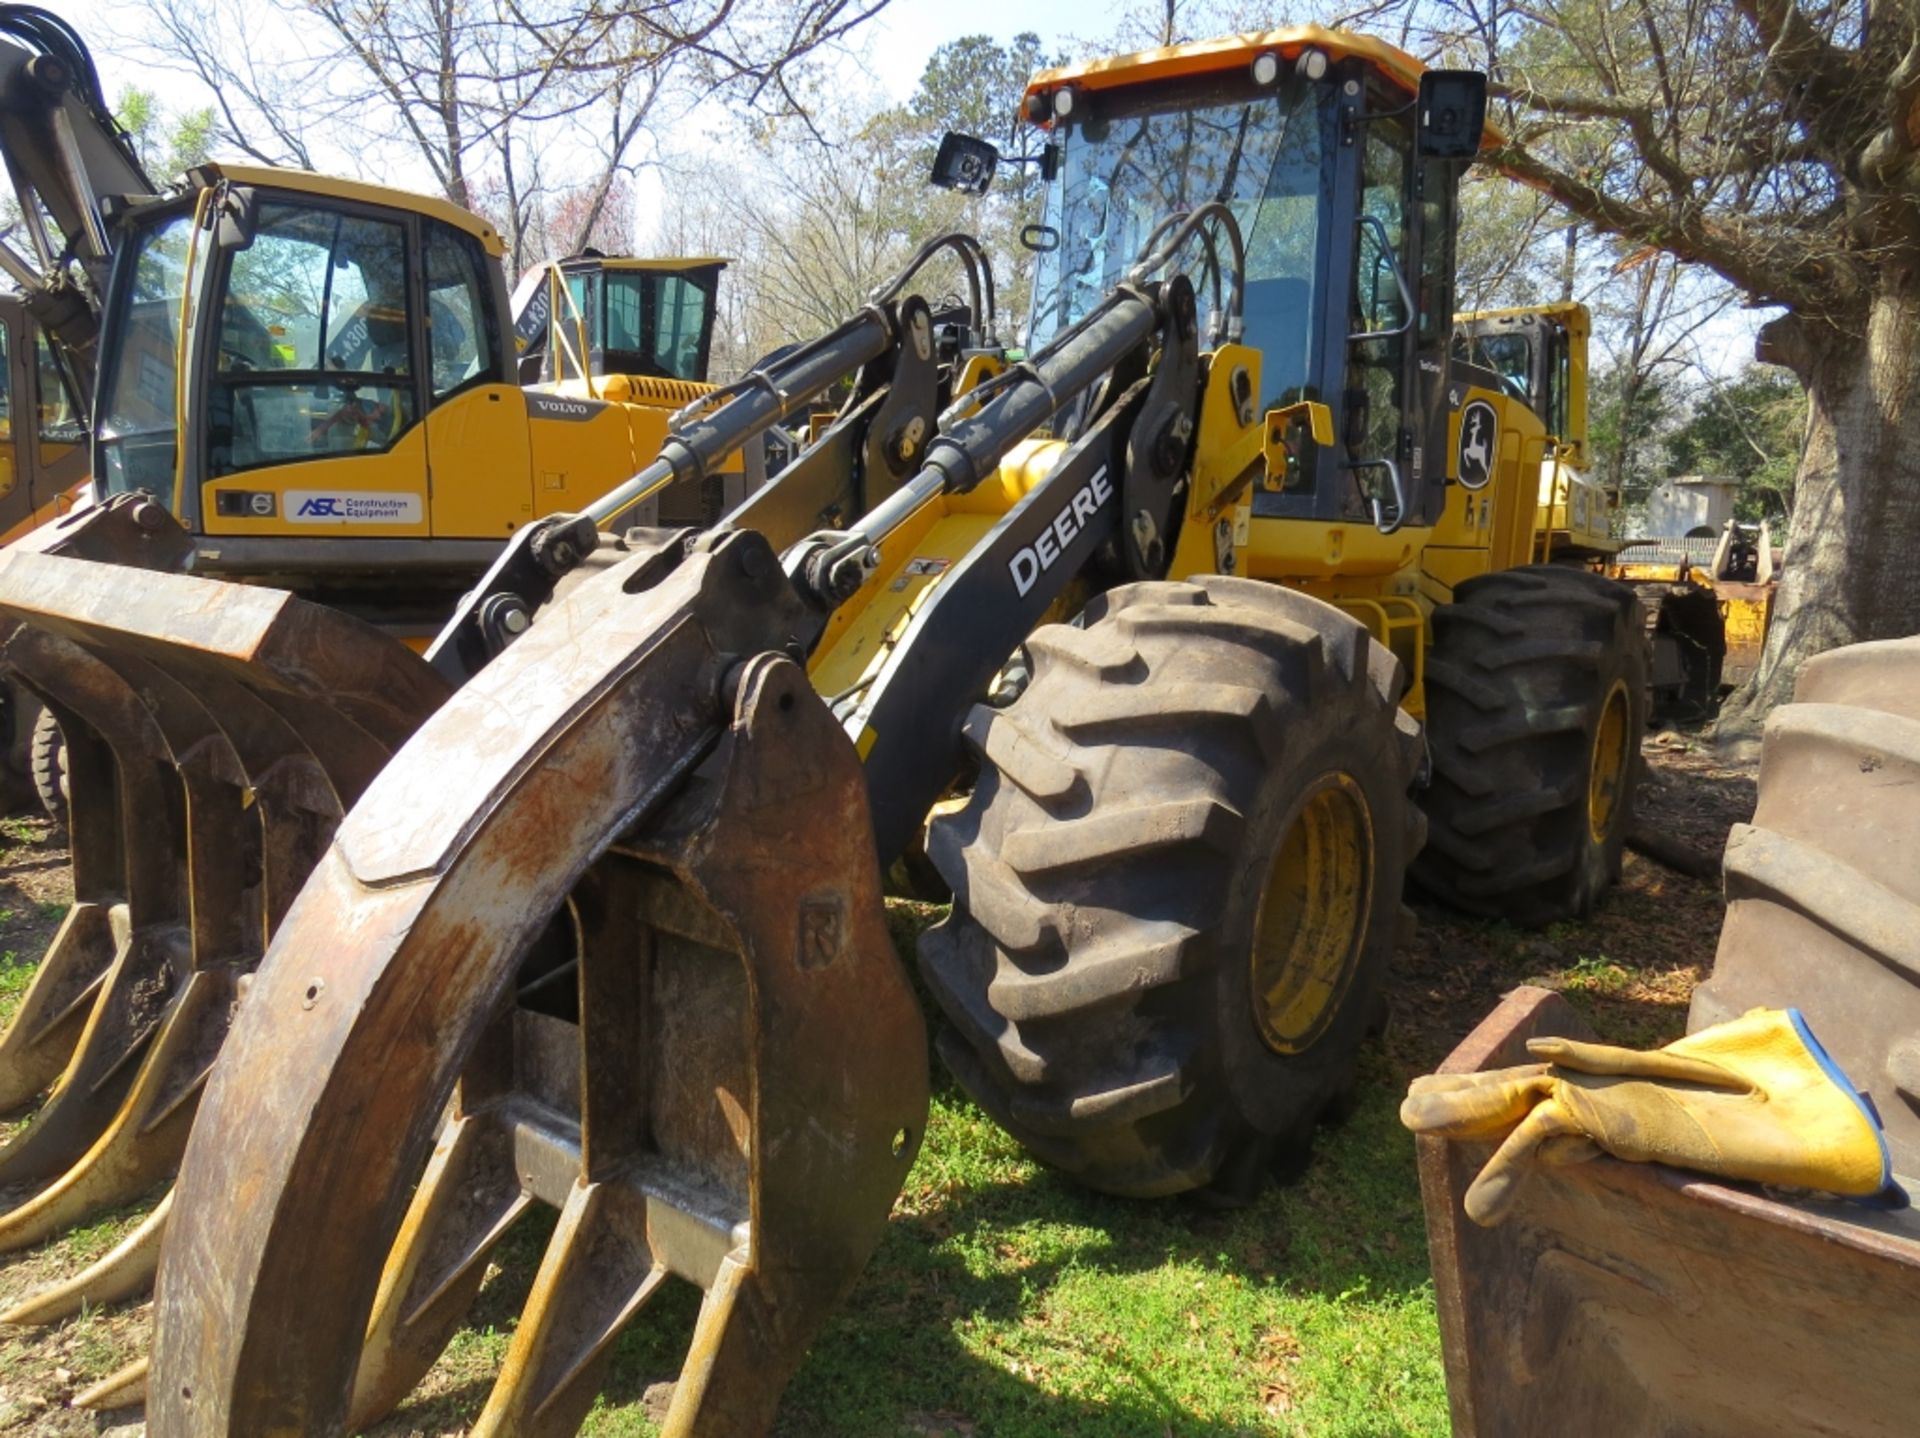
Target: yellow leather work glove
[[1756, 1098]]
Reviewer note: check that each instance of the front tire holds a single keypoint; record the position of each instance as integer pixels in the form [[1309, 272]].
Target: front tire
[[49, 763], [1536, 700], [1176, 884]]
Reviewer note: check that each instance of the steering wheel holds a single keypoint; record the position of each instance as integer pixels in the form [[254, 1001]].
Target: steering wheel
[[237, 360]]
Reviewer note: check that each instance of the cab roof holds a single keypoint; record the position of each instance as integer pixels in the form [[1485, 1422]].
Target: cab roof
[[356, 191], [1236, 52]]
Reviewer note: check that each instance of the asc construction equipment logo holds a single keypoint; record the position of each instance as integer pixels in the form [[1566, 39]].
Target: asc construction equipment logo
[[342, 506]]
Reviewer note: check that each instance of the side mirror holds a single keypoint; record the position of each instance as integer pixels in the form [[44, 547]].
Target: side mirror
[[1290, 429], [964, 163], [239, 218], [1452, 111]]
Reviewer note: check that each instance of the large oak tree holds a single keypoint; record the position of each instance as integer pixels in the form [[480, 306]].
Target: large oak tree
[[1778, 144]]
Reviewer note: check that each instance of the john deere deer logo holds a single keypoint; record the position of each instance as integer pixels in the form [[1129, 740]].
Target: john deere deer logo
[[1478, 426]]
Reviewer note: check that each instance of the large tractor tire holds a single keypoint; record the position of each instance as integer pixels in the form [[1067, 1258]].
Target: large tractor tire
[[1176, 884], [49, 764], [1823, 888], [1536, 700]]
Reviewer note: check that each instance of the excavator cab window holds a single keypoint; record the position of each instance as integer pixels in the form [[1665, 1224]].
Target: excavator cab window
[[460, 336], [314, 348], [60, 418], [682, 325], [135, 408]]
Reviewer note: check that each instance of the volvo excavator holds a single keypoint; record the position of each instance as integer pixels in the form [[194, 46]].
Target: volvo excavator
[[317, 378], [1133, 635]]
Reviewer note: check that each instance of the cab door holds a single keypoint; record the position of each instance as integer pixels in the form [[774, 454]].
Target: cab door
[[478, 450], [16, 490], [58, 442], [313, 425]]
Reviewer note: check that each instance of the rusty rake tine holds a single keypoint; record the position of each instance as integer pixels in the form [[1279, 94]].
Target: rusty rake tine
[[120, 1389], [125, 1271], [37, 1045], [468, 1199], [595, 1276], [142, 1144]]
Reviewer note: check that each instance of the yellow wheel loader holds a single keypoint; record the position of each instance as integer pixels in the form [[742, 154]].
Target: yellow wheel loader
[[1149, 619]]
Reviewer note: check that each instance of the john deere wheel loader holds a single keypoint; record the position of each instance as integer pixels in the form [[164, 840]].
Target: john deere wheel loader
[[1156, 610]]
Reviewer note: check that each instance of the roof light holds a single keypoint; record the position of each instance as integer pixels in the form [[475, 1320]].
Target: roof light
[[1312, 64], [1063, 101], [1266, 68]]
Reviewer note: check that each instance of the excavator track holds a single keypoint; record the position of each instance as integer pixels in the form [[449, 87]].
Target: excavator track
[[216, 735], [632, 965]]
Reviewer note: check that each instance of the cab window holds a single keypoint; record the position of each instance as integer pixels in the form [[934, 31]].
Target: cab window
[[1508, 355], [6, 385], [683, 312], [314, 348], [60, 419], [1376, 357], [459, 339]]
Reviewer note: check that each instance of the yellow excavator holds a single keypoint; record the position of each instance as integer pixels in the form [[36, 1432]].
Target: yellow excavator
[[319, 379], [1133, 634]]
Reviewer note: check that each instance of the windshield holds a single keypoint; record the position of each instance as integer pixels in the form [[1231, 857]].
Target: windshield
[[136, 401], [1129, 164]]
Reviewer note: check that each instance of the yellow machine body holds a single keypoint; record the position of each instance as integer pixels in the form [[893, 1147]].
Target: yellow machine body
[[334, 361]]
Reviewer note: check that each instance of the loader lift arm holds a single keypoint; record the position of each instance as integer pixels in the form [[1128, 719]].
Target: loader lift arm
[[890, 350]]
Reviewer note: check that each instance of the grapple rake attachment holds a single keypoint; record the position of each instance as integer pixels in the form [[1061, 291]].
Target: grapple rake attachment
[[606, 935], [216, 735]]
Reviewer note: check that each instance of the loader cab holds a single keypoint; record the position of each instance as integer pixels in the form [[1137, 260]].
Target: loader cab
[[1314, 141], [1537, 356], [607, 315]]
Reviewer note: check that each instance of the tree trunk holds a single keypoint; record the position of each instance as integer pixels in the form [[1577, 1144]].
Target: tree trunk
[[1852, 569]]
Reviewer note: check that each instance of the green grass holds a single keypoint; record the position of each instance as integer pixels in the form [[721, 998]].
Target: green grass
[[1004, 1301], [15, 974], [1005, 1298]]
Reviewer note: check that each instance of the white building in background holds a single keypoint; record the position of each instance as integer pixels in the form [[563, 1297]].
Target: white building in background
[[1690, 504]]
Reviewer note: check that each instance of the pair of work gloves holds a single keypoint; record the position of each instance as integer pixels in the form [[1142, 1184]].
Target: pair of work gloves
[[1756, 1098]]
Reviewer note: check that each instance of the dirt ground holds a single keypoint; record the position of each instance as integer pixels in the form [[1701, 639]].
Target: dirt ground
[[1631, 968]]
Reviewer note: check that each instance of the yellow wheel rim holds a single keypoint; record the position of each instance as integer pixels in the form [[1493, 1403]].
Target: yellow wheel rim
[[1612, 754], [1312, 920]]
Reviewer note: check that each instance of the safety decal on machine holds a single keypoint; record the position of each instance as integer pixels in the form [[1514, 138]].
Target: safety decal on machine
[[346, 506], [918, 569]]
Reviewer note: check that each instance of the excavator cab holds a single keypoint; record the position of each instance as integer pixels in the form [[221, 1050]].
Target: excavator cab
[[43, 433], [617, 315], [333, 332]]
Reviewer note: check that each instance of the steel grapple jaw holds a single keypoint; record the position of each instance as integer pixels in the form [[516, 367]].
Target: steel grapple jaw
[[215, 737], [606, 935]]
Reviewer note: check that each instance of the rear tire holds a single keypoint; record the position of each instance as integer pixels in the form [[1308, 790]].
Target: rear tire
[[1823, 887], [1536, 700], [1193, 768], [49, 761]]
